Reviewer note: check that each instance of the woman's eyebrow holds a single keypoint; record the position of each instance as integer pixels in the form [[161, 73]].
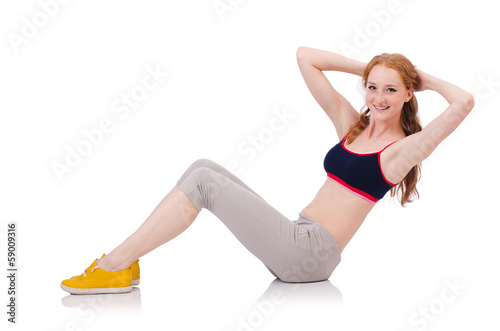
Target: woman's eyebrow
[[372, 83]]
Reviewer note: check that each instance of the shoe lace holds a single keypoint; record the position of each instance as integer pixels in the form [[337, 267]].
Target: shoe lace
[[96, 267]]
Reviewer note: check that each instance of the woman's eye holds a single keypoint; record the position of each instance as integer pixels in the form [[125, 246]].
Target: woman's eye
[[392, 90], [371, 87]]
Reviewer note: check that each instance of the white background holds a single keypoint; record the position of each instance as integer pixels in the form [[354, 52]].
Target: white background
[[228, 74]]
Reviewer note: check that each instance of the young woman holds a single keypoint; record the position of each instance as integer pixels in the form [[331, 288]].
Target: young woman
[[380, 149]]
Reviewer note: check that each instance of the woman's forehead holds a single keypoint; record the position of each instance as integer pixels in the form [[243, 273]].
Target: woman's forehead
[[383, 75]]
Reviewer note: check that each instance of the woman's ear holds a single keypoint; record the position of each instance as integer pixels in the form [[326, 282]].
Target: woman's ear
[[409, 94]]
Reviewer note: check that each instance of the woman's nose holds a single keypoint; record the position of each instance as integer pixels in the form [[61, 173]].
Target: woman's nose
[[380, 98]]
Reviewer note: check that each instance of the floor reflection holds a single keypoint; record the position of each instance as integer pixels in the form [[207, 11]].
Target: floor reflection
[[293, 293], [106, 303], [290, 304]]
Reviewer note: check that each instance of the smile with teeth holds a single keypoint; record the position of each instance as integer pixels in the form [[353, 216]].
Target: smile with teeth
[[381, 108]]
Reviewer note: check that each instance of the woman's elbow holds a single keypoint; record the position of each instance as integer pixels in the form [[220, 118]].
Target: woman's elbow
[[301, 53], [468, 102]]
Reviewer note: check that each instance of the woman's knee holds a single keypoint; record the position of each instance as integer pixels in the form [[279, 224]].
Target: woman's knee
[[198, 164], [203, 185], [203, 163], [210, 179]]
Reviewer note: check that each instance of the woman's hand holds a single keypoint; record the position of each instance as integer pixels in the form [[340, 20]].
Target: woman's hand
[[422, 81], [452, 93]]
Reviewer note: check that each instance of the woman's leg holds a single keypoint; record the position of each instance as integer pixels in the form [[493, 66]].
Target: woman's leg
[[174, 214], [299, 251], [294, 251]]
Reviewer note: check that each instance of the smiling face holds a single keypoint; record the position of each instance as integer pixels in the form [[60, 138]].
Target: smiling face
[[386, 93]]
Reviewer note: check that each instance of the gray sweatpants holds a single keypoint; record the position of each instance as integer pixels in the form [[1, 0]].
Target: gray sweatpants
[[296, 251]]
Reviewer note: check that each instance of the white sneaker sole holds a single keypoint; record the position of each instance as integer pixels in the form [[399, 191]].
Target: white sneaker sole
[[108, 290]]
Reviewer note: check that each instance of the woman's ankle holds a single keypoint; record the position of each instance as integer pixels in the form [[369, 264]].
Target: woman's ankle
[[111, 264]]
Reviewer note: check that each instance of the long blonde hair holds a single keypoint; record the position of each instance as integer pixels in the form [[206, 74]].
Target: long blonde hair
[[409, 117]]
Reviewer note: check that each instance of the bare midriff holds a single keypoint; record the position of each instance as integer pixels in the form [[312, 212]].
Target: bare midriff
[[338, 210]]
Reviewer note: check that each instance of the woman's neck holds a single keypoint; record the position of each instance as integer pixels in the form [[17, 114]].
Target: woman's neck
[[377, 130]]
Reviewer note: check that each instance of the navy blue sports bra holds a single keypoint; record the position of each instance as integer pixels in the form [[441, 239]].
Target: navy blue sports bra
[[359, 173]]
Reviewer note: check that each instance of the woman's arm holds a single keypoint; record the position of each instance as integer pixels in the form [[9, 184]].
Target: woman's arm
[[452, 93], [417, 147], [312, 62]]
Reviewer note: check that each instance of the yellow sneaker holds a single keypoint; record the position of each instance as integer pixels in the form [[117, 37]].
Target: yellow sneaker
[[134, 268], [136, 273], [97, 281]]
